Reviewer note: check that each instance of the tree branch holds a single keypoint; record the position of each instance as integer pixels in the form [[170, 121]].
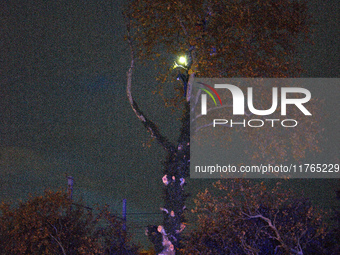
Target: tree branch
[[190, 83], [149, 125], [62, 248], [277, 237]]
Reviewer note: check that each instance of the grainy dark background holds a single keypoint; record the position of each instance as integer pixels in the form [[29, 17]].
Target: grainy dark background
[[64, 111]]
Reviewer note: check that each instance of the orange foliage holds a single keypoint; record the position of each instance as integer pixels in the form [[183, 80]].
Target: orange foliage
[[231, 38], [51, 224]]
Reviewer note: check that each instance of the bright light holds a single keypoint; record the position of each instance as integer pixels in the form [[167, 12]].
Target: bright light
[[182, 60]]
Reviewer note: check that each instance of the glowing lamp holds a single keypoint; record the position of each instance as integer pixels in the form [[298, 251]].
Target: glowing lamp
[[182, 60]]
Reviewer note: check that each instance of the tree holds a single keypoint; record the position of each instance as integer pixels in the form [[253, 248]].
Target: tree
[[231, 38], [166, 237], [112, 236], [223, 39], [51, 224], [249, 218], [333, 236]]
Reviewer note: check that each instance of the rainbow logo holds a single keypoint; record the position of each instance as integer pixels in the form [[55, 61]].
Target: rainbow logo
[[210, 94]]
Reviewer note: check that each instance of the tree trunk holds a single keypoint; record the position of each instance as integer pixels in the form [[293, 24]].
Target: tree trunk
[[166, 238]]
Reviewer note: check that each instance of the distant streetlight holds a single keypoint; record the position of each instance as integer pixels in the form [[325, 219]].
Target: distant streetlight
[[182, 62]]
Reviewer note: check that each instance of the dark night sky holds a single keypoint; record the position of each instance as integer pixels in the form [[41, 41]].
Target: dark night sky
[[63, 106]]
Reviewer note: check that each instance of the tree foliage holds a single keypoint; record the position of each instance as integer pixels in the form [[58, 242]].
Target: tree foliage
[[238, 38], [51, 224], [232, 39], [334, 234], [242, 217], [270, 143]]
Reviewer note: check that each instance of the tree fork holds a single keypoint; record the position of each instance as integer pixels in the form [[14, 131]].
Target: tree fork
[[166, 238]]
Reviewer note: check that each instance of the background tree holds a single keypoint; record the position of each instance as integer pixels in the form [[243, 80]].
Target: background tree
[[333, 236], [111, 235], [224, 39], [245, 217], [50, 224], [336, 231]]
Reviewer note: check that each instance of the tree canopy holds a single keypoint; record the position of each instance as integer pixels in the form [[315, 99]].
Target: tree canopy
[[244, 217], [52, 224], [238, 38]]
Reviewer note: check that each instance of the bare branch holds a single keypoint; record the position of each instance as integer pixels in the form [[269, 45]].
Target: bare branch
[[183, 27], [149, 125], [190, 83], [277, 237], [199, 92], [62, 248]]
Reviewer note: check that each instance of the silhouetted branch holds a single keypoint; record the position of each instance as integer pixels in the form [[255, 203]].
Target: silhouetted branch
[[149, 125]]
